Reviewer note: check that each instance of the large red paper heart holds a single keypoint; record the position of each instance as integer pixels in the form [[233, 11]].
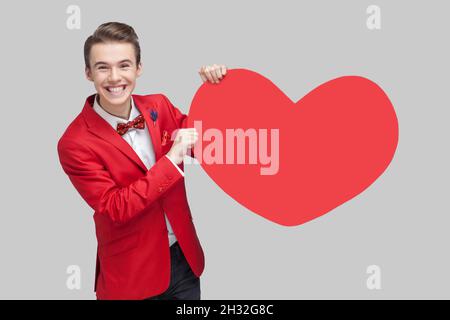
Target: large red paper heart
[[333, 143]]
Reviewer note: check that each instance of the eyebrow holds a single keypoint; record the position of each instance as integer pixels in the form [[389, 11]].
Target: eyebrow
[[122, 61]]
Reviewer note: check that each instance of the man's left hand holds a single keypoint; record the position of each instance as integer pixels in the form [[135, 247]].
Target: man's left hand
[[213, 73]]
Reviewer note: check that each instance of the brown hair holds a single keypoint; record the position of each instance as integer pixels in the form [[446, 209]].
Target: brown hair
[[109, 32]]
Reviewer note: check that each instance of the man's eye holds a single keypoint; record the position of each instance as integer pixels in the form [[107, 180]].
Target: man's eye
[[102, 68], [125, 66]]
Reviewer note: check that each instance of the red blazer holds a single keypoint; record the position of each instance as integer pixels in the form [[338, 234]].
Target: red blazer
[[133, 257]]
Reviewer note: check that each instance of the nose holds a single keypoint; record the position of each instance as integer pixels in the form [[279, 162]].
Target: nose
[[114, 75]]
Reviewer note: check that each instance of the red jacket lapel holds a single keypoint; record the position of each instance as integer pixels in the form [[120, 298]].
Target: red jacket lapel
[[144, 107], [103, 130]]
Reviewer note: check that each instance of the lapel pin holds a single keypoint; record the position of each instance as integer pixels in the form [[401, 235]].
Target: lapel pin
[[154, 116]]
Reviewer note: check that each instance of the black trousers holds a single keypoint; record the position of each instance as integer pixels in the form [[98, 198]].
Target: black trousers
[[184, 284]]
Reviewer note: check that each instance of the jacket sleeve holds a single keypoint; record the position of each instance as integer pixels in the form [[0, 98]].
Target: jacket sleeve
[[179, 118], [96, 186]]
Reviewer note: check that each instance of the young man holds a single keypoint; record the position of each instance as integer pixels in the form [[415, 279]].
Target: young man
[[119, 155]]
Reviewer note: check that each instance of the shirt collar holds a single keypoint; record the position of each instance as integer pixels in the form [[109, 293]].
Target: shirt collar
[[112, 119]]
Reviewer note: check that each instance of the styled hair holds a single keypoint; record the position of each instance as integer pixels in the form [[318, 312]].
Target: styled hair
[[112, 32]]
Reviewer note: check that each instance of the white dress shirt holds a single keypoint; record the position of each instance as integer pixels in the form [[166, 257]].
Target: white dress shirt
[[141, 143]]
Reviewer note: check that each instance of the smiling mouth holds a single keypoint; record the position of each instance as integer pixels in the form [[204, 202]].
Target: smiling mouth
[[116, 90]]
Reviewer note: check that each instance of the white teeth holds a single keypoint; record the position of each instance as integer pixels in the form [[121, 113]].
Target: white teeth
[[115, 89]]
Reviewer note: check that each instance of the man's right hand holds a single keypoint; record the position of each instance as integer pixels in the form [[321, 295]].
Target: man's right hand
[[184, 140]]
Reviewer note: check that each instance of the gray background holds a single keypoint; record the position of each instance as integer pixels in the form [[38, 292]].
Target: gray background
[[400, 223]]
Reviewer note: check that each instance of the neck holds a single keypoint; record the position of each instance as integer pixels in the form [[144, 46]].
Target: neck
[[122, 111]]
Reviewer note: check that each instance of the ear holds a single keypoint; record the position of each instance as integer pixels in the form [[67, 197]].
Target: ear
[[88, 74], [139, 69]]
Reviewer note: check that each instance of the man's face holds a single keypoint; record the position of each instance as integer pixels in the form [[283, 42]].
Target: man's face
[[114, 71]]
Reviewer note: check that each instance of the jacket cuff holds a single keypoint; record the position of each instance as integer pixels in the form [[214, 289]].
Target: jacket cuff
[[176, 166]]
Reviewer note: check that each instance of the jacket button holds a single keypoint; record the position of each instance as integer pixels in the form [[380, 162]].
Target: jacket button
[[160, 189], [170, 177]]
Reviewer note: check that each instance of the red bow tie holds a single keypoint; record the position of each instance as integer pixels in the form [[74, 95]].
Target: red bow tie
[[136, 123]]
